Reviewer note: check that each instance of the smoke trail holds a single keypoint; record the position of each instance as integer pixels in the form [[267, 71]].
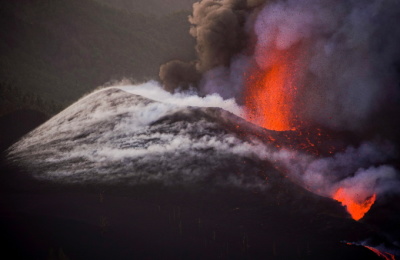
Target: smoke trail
[[361, 171], [153, 90]]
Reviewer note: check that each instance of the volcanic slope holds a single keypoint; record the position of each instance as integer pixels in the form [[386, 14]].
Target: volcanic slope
[[204, 161], [112, 136]]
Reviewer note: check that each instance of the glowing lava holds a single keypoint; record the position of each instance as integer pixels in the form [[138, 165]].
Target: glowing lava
[[356, 209], [270, 94], [384, 255]]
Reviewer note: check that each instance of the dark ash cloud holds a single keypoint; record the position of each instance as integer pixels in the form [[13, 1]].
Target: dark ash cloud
[[220, 30]]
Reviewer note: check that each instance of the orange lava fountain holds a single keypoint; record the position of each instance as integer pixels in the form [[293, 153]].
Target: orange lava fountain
[[270, 94], [356, 209]]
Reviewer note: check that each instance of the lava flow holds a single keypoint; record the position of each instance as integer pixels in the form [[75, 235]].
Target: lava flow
[[271, 99], [356, 209], [270, 94], [384, 255]]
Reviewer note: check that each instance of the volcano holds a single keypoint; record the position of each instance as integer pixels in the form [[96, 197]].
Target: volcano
[[119, 175]]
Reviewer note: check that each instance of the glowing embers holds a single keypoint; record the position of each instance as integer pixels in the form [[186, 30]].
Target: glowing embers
[[356, 208], [270, 93]]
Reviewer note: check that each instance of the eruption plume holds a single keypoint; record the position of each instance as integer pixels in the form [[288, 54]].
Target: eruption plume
[[320, 77], [300, 65], [220, 29]]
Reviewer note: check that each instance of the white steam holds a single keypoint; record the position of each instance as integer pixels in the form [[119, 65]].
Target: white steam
[[154, 91], [361, 171]]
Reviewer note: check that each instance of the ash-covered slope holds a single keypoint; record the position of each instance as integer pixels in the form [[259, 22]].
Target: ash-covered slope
[[112, 136], [112, 140]]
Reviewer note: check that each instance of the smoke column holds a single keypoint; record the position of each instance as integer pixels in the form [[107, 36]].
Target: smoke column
[[343, 55]]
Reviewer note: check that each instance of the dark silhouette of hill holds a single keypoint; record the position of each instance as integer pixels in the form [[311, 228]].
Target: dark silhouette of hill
[[59, 49]]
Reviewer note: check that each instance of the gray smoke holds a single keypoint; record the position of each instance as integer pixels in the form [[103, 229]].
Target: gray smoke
[[178, 73], [361, 171], [348, 51], [219, 28], [344, 57]]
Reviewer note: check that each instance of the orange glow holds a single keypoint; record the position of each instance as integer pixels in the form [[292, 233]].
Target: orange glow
[[270, 94], [384, 255], [356, 209]]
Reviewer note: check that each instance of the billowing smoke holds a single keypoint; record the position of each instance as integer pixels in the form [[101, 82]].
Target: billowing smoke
[[347, 52], [340, 63], [220, 29], [343, 54], [360, 171]]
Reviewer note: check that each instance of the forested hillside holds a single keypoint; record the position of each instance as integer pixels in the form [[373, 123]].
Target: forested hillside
[[53, 51]]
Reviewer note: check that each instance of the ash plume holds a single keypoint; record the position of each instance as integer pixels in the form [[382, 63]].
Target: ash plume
[[178, 73], [347, 51], [219, 28], [344, 60]]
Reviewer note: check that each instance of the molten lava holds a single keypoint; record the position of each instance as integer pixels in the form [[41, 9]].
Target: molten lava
[[270, 94], [384, 255], [356, 209]]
